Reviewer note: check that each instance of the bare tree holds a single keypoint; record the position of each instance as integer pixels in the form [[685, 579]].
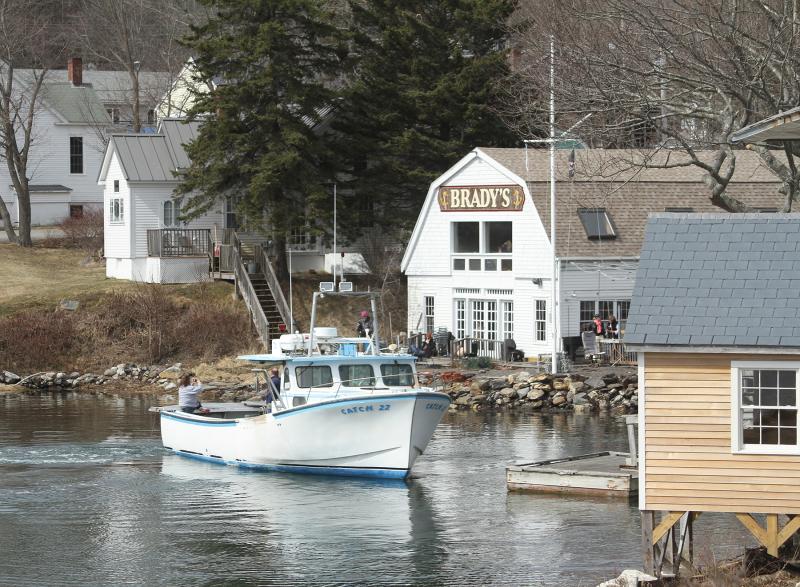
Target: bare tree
[[27, 39], [656, 75], [135, 35]]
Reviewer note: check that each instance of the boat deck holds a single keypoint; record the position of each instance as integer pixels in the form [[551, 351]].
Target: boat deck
[[226, 410], [603, 473]]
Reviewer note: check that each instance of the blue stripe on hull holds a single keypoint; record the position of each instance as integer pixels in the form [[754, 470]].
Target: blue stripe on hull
[[303, 469]]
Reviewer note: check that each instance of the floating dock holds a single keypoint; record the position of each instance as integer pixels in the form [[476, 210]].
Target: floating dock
[[606, 473]]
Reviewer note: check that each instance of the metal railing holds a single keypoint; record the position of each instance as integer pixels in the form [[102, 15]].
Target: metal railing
[[179, 242], [248, 293], [262, 260]]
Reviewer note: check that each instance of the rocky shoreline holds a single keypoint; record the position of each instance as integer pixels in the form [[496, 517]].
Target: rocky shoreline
[[484, 391], [481, 390], [151, 380]]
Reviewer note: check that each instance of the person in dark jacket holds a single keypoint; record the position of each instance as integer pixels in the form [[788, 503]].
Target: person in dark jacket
[[275, 380], [364, 326]]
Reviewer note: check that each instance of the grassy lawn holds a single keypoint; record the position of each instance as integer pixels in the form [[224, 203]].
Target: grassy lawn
[[39, 278]]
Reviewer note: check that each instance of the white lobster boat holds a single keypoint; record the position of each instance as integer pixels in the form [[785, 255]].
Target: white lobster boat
[[337, 412]]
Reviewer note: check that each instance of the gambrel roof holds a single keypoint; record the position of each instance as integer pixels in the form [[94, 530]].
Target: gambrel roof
[[727, 281]]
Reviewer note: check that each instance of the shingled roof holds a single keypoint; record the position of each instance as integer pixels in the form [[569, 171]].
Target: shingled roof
[[611, 179], [718, 280]]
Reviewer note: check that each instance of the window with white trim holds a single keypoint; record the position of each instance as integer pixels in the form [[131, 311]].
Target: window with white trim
[[491, 320], [429, 316], [540, 321], [765, 407], [116, 211], [508, 320], [461, 318], [76, 155], [172, 213]]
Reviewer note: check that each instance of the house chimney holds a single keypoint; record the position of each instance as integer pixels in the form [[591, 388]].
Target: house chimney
[[75, 71]]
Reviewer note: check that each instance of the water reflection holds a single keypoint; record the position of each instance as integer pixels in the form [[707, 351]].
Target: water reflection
[[88, 497]]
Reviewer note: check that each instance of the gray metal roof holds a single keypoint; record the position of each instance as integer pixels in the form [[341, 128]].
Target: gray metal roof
[[718, 280], [178, 132], [49, 188], [144, 157], [76, 104], [148, 157]]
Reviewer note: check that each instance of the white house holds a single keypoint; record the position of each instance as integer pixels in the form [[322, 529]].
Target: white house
[[479, 261], [77, 110], [144, 238]]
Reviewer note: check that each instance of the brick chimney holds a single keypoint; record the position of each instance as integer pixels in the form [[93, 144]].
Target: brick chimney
[[75, 71]]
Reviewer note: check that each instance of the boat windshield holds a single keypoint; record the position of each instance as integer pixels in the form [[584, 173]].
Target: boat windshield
[[357, 375], [397, 374]]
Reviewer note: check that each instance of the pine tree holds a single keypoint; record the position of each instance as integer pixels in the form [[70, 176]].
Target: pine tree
[[421, 97], [258, 142]]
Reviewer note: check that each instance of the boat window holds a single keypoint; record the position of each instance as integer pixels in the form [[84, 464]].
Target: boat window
[[357, 375], [314, 376], [397, 374], [287, 384]]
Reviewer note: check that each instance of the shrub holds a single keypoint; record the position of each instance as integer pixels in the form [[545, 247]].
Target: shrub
[[35, 338], [84, 232]]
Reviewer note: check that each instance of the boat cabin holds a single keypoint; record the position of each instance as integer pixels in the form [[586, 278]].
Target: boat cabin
[[715, 319]]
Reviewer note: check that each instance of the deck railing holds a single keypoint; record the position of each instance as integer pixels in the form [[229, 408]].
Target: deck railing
[[262, 260], [477, 347], [248, 293], [179, 242]]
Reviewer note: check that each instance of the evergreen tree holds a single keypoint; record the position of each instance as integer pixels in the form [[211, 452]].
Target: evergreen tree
[[258, 143], [421, 97]]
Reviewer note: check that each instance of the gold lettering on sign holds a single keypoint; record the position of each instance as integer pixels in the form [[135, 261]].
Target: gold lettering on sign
[[502, 198]]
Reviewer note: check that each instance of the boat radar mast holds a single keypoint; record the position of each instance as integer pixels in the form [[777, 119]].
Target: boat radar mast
[[372, 295]]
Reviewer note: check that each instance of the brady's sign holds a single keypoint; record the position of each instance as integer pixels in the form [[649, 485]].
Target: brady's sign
[[498, 198]]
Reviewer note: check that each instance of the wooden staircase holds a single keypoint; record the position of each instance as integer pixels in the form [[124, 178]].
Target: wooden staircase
[[260, 289]]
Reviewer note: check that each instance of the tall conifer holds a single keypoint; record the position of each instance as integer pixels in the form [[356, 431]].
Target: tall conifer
[[271, 62], [421, 96]]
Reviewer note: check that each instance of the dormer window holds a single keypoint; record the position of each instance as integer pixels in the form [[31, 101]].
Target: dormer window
[[597, 223]]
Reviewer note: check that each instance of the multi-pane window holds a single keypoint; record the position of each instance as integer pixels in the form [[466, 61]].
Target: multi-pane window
[[587, 312], [172, 213], [357, 375], [478, 319], [429, 316], [113, 114], [493, 240], [314, 376], [508, 320], [605, 308], [768, 407], [461, 318], [540, 320], [76, 154], [116, 211], [491, 320]]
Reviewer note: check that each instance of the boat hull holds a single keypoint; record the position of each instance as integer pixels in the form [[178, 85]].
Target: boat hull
[[373, 436]]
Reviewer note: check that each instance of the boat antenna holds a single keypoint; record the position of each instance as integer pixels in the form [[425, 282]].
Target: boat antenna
[[313, 321], [374, 306]]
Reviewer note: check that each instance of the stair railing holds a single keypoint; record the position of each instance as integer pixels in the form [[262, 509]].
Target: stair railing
[[262, 260], [248, 293]]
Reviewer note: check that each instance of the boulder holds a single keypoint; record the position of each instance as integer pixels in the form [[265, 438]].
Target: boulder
[[610, 378], [541, 378], [537, 404], [577, 386], [462, 400], [595, 382], [173, 372], [579, 399], [535, 394], [10, 378], [630, 578], [74, 374], [522, 393], [508, 392], [542, 386], [558, 400], [522, 377], [110, 372], [560, 385], [499, 383], [477, 399], [170, 386]]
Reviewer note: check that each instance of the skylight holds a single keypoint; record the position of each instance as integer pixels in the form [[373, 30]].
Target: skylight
[[678, 209], [597, 223]]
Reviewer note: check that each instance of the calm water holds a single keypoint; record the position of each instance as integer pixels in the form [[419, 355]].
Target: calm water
[[88, 497]]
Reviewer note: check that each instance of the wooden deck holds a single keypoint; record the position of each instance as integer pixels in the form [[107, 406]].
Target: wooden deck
[[603, 473]]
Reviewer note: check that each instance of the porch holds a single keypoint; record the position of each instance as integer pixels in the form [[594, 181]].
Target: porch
[[179, 242]]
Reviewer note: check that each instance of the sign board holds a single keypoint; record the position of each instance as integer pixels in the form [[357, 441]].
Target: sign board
[[474, 198]]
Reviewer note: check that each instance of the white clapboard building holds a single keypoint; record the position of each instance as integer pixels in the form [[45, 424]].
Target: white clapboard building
[[479, 261], [145, 238]]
